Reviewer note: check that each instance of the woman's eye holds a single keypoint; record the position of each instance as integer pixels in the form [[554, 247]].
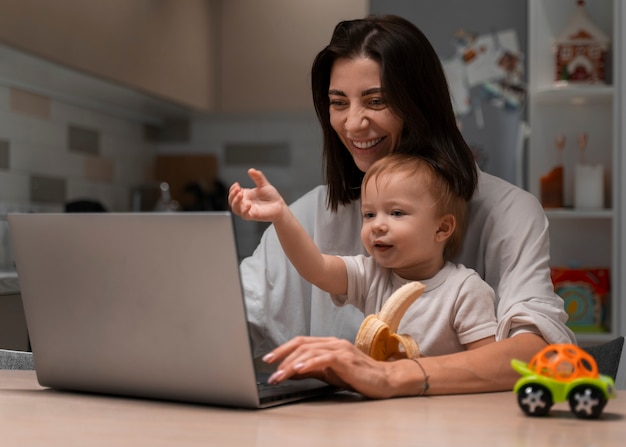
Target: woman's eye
[[337, 103], [377, 103]]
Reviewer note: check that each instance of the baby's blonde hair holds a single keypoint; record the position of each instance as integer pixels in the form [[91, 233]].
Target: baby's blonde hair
[[446, 201]]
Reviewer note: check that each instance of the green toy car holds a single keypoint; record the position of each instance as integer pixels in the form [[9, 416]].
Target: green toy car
[[559, 373]]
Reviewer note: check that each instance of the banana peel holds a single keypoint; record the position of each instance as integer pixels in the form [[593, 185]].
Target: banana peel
[[377, 335]]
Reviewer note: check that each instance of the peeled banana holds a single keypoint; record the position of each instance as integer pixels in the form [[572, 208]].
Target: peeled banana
[[377, 335]]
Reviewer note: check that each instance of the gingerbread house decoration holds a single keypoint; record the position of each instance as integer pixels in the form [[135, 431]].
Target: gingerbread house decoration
[[581, 50]]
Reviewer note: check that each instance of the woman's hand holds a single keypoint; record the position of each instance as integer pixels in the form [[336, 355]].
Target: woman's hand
[[262, 203], [340, 363]]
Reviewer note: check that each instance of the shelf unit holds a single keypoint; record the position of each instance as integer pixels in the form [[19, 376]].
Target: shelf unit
[[584, 238]]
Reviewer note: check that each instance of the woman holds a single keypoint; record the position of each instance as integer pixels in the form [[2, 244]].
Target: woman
[[379, 87]]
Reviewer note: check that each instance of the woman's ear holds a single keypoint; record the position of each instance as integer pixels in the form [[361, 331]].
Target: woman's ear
[[446, 227]]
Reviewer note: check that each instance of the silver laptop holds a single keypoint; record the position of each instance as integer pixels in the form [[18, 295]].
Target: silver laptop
[[141, 304]]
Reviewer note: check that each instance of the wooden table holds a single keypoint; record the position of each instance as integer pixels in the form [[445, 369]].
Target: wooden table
[[33, 416]]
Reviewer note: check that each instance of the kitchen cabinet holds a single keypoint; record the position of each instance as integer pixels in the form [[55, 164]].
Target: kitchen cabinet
[[580, 237], [266, 50], [219, 56], [13, 330], [162, 48]]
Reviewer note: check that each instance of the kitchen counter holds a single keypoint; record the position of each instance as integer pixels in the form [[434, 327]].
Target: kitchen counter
[[9, 283], [13, 329]]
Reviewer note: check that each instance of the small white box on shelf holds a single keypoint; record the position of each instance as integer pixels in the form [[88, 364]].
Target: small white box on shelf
[[589, 186]]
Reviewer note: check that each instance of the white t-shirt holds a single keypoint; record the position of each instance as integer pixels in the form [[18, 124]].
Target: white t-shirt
[[506, 242], [457, 307]]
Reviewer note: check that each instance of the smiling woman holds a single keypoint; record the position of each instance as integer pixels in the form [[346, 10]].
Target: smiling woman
[[379, 88], [359, 113]]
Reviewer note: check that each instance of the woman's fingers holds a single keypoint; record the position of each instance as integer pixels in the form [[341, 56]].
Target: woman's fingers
[[335, 361], [308, 355]]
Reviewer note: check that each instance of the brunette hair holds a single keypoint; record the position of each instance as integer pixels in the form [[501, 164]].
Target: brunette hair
[[446, 200], [415, 87]]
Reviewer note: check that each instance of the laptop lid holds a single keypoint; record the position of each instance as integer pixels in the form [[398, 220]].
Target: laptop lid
[[138, 304]]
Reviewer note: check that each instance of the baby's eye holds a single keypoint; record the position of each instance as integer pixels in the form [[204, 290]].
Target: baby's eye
[[368, 215], [397, 213]]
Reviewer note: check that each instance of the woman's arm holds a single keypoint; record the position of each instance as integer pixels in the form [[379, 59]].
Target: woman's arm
[[339, 362], [487, 368]]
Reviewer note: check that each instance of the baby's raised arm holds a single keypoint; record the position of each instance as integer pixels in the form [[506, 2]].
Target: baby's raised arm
[[264, 203]]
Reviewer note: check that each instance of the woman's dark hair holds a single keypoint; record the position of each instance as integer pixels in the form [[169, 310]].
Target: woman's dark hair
[[415, 88]]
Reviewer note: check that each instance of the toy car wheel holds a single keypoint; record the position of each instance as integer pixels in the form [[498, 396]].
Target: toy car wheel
[[586, 401], [534, 399]]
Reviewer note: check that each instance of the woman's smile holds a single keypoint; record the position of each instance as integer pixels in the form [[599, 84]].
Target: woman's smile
[[366, 144]]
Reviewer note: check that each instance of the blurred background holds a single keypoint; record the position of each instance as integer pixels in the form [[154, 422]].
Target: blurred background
[[102, 104]]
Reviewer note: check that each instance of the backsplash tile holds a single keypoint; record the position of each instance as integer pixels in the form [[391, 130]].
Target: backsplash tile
[[257, 154], [14, 187], [52, 152], [47, 189], [5, 151], [30, 103], [81, 139], [99, 169]]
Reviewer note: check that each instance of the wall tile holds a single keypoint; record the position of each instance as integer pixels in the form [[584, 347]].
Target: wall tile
[[119, 146], [5, 154], [72, 154], [4, 98], [107, 124], [257, 154], [134, 171], [17, 127], [45, 160], [81, 139], [29, 103], [14, 187], [47, 189], [98, 169]]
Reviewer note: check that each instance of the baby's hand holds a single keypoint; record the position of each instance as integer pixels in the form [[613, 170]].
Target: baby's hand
[[263, 202]]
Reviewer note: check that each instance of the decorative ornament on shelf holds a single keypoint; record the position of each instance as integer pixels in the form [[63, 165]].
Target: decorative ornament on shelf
[[551, 184], [581, 50]]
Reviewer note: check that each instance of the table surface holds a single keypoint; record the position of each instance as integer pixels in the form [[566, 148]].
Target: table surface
[[32, 415]]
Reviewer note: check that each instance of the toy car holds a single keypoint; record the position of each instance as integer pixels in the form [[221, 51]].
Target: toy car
[[559, 373]]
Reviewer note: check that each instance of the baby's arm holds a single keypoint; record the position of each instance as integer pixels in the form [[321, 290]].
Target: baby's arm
[[265, 203]]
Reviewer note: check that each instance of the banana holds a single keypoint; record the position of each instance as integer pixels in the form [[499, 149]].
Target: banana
[[377, 335]]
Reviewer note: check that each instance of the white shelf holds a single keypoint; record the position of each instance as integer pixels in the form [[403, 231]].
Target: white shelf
[[570, 213], [575, 94], [586, 238], [594, 338]]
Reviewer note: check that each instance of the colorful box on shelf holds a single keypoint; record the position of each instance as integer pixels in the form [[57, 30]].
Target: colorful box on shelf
[[586, 295]]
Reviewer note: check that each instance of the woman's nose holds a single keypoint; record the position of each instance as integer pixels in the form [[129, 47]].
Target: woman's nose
[[355, 120]]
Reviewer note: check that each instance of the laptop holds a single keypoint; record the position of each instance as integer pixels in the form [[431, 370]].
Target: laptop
[[146, 305]]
